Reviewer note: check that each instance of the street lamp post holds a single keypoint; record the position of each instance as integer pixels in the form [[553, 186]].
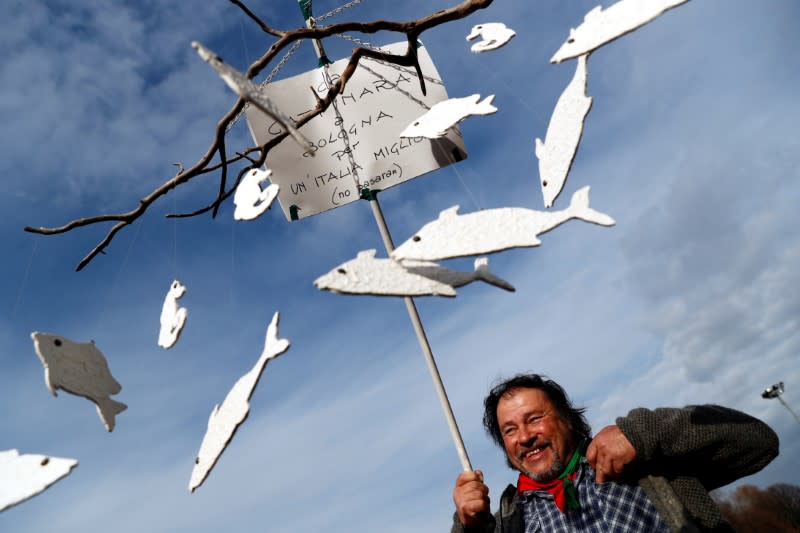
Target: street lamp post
[[776, 391]]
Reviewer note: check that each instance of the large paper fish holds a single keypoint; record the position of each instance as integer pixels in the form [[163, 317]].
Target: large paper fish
[[25, 476], [444, 115], [251, 201], [173, 318], [563, 135], [602, 26], [386, 277], [249, 91], [227, 417], [492, 230], [80, 369], [493, 35]]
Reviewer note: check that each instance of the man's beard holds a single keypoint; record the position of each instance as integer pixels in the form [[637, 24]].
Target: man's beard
[[556, 468]]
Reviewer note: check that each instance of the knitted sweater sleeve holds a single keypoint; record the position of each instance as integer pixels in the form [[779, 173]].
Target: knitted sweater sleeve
[[458, 527], [714, 444]]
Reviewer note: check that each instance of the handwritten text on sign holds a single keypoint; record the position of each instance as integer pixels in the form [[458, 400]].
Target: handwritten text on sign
[[379, 101]]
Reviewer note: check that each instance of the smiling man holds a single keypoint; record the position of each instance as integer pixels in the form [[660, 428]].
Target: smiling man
[[650, 472]]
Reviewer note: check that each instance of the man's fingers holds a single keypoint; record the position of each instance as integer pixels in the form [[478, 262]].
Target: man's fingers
[[476, 506], [609, 453], [591, 454], [467, 477]]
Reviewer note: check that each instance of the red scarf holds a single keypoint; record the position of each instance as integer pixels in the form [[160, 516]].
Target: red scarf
[[555, 487]]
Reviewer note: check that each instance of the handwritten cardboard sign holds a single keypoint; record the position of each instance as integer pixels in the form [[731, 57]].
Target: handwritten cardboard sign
[[380, 100]]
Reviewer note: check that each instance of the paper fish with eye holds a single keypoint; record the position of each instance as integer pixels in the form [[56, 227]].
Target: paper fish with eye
[[386, 277], [444, 115], [603, 26], [250, 92], [493, 35], [563, 135], [173, 317], [24, 476], [226, 418], [492, 230], [250, 200], [80, 369]]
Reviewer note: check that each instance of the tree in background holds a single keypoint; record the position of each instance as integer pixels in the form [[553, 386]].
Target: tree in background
[[749, 508]]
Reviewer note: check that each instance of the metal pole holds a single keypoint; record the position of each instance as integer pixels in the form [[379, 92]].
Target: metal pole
[[305, 7], [423, 343]]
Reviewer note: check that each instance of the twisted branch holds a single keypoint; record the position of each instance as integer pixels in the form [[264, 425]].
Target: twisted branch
[[411, 29]]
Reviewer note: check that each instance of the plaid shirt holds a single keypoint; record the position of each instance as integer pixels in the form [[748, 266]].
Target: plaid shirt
[[605, 508]]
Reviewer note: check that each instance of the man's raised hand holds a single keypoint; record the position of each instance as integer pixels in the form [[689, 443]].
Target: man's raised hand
[[609, 453], [471, 497]]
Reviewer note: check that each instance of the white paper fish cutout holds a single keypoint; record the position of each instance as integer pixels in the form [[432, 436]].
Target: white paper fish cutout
[[80, 369], [173, 317], [386, 277], [493, 35], [492, 230], [602, 26], [444, 115], [249, 91], [24, 476], [250, 200], [226, 418], [563, 135]]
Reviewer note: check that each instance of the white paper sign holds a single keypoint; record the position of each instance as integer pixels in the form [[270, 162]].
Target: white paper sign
[[380, 100]]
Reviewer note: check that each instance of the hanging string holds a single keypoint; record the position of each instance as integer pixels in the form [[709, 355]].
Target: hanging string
[[175, 228], [267, 81], [175, 237], [232, 277], [109, 306], [454, 166], [244, 43], [24, 282], [397, 88]]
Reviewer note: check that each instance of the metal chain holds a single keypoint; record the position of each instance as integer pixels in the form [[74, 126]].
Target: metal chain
[[338, 10], [365, 44], [268, 80], [397, 87]]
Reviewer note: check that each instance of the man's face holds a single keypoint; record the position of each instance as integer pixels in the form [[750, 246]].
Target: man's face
[[537, 441]]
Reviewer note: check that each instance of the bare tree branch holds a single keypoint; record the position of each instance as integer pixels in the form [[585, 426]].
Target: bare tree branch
[[261, 24], [411, 29]]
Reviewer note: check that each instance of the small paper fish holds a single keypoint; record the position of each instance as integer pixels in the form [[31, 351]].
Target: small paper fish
[[492, 230], [444, 115], [250, 200], [24, 476], [80, 369], [173, 318], [494, 35], [249, 91], [227, 417], [603, 26], [563, 135], [386, 277]]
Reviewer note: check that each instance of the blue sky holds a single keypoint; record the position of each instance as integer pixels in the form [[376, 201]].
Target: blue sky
[[693, 297]]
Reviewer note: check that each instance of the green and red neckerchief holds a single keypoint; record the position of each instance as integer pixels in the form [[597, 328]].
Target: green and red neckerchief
[[562, 488]]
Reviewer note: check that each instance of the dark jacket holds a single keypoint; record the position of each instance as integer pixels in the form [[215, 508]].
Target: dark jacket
[[681, 455]]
